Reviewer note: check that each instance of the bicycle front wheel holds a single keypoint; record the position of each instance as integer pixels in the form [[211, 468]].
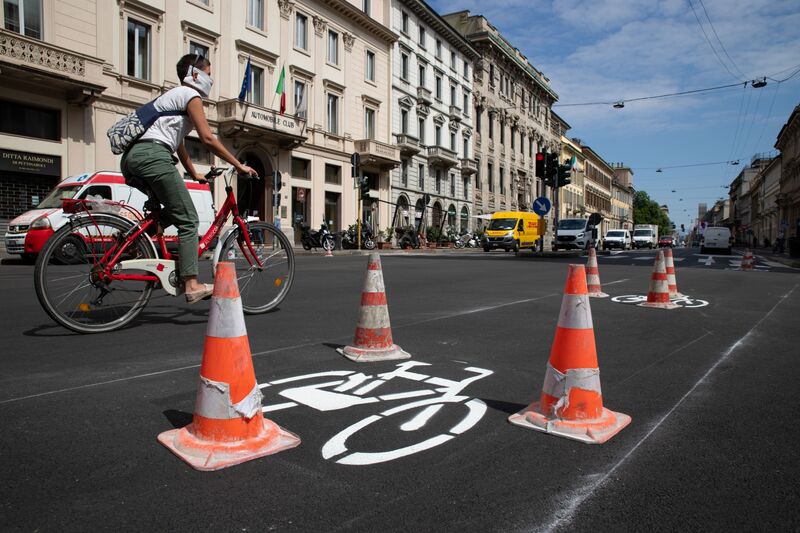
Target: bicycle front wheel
[[262, 288], [69, 281]]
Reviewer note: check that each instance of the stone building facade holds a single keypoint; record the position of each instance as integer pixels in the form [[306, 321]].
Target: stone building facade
[[512, 118], [597, 193], [788, 199], [84, 64], [571, 197], [622, 191], [432, 118]]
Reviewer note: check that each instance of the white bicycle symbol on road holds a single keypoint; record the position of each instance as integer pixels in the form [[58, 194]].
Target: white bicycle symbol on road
[[638, 298], [351, 388]]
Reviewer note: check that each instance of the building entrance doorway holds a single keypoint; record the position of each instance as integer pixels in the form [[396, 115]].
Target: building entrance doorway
[[253, 194]]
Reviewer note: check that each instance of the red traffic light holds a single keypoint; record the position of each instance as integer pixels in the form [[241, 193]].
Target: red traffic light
[[539, 156]]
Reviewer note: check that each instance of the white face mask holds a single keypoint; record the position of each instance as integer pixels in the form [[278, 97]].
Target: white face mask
[[203, 82]]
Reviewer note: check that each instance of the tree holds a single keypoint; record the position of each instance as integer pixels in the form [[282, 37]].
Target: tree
[[647, 211]]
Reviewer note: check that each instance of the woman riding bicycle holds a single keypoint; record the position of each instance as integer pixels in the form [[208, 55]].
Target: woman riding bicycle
[[150, 162]]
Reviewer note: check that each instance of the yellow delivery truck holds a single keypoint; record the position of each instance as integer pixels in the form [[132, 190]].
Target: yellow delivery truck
[[512, 230]]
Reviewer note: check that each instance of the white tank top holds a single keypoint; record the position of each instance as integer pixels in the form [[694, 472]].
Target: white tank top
[[172, 130]]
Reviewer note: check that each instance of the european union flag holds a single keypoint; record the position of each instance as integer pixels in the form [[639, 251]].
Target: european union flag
[[246, 82]]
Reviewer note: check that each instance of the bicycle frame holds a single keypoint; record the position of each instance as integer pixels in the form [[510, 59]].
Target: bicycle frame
[[111, 258]]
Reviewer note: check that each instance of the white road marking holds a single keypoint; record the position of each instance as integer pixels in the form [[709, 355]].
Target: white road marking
[[403, 395], [614, 282], [708, 262], [563, 517], [644, 258], [277, 407]]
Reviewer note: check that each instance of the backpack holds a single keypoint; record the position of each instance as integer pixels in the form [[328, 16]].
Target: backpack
[[128, 129]]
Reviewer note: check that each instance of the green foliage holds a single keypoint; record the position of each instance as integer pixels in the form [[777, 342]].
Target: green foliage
[[647, 211], [433, 234]]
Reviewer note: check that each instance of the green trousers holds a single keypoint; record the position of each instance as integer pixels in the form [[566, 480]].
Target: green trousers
[[153, 165]]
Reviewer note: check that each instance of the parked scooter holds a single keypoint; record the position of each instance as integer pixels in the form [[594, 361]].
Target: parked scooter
[[350, 242], [407, 238], [316, 239], [469, 240]]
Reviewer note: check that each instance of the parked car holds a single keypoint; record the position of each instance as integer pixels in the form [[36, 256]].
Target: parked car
[[666, 240], [618, 238]]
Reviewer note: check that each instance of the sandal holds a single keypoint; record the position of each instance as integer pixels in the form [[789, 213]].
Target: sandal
[[202, 294]]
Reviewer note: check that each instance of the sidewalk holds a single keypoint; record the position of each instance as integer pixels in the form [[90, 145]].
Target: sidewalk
[[767, 254]]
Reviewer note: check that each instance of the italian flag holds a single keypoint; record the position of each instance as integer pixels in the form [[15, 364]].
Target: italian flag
[[281, 90]]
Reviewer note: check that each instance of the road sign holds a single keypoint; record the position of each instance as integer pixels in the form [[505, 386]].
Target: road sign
[[541, 206]]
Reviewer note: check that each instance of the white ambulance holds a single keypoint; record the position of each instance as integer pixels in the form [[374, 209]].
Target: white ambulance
[[28, 232]]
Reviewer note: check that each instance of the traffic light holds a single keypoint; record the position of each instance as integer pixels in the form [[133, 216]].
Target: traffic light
[[683, 229], [564, 173], [540, 165], [550, 169], [364, 188], [277, 183]]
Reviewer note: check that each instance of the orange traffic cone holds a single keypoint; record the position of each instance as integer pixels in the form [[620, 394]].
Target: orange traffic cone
[[328, 253], [373, 338], [228, 427], [658, 295], [571, 404], [593, 276], [672, 282], [747, 261]]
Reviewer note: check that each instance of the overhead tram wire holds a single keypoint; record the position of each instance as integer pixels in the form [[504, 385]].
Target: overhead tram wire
[[657, 96], [724, 50], [713, 49], [738, 121], [688, 165]]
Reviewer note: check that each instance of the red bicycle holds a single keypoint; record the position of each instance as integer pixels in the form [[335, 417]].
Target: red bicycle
[[97, 273]]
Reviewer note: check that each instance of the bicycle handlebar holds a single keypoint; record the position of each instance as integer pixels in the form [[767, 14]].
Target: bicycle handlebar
[[215, 172]]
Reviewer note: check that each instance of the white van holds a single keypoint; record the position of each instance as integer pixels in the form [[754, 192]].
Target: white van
[[716, 239], [28, 232], [617, 238]]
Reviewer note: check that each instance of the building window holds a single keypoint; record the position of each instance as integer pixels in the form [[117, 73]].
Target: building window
[[403, 121], [478, 119], [333, 174], [491, 75], [466, 69], [466, 147], [333, 114], [301, 31], [453, 59], [404, 172], [404, 66], [502, 180], [438, 49], [438, 87], [421, 80], [453, 96], [365, 6], [490, 175], [512, 139], [438, 135], [452, 184], [198, 49], [24, 17], [452, 141], [300, 168], [369, 123], [421, 130], [478, 178], [256, 94], [300, 101], [421, 177], [466, 105], [422, 37], [197, 151], [30, 121], [465, 181], [138, 49], [333, 47], [255, 13], [438, 181], [502, 134], [404, 24], [370, 66], [491, 126]]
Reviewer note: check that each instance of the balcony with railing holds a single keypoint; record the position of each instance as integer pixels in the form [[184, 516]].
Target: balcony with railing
[[377, 154], [455, 113], [407, 144], [253, 121], [424, 95], [468, 166], [442, 157]]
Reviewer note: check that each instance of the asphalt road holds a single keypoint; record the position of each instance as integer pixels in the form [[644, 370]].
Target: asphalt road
[[711, 389]]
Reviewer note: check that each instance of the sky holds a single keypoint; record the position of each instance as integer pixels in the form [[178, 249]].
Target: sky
[[610, 50]]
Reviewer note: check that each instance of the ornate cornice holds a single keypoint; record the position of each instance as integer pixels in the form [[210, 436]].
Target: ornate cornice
[[349, 40], [286, 7]]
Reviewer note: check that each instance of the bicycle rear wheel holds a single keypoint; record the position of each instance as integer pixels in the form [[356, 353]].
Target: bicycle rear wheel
[[68, 283], [262, 288]]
